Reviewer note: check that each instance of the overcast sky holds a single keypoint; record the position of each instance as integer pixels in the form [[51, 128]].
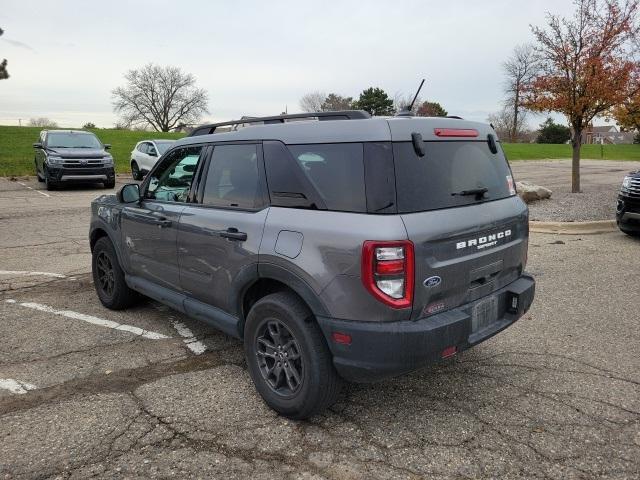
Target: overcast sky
[[258, 57]]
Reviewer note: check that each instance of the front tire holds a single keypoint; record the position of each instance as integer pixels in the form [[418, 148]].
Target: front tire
[[49, 184], [38, 176], [288, 358], [135, 170], [108, 277], [110, 183], [631, 233]]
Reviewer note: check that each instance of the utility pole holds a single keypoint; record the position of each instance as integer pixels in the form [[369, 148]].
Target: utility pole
[[19, 122]]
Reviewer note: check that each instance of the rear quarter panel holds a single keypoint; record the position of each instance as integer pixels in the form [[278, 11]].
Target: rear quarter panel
[[329, 261]]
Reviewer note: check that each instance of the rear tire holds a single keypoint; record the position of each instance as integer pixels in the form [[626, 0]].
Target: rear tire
[[288, 358], [110, 183], [108, 277], [135, 170]]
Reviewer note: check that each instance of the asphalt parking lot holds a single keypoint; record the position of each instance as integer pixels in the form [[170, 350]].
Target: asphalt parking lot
[[146, 392]]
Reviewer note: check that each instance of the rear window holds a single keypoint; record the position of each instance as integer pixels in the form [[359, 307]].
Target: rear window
[[446, 172], [336, 170]]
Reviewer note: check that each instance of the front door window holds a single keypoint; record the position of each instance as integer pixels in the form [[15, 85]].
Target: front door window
[[171, 181]]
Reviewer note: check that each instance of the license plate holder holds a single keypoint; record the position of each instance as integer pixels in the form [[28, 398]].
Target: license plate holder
[[484, 313]]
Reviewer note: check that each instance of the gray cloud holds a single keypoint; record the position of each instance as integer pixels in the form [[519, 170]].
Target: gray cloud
[[17, 44]]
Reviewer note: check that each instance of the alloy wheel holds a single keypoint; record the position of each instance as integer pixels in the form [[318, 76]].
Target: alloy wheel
[[106, 275], [279, 358]]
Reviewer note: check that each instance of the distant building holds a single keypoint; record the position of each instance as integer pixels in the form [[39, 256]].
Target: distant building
[[606, 135]]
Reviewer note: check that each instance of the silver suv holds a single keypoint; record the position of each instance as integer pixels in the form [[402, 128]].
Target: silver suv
[[335, 245]]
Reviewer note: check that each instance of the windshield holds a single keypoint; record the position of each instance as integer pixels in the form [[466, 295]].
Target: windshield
[[72, 140], [451, 174], [163, 146]]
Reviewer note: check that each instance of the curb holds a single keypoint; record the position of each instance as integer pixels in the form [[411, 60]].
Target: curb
[[574, 228]]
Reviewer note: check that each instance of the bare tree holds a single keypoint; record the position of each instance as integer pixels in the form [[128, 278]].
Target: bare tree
[[160, 97], [335, 102], [42, 122], [504, 125], [3, 65], [312, 101], [519, 70], [402, 101]]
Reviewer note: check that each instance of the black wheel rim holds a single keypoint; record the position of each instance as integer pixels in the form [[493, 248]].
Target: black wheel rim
[[279, 358], [106, 279]]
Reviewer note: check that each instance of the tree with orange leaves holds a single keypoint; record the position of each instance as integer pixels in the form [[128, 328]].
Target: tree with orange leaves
[[587, 66], [627, 115]]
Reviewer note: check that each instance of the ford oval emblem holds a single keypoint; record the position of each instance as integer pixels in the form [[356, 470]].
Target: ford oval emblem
[[432, 281]]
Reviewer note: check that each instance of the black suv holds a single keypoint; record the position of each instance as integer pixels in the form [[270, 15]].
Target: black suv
[[628, 209], [65, 156]]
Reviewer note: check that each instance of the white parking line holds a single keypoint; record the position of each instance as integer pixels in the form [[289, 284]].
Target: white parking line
[[101, 322], [14, 386], [26, 273], [41, 193], [196, 346]]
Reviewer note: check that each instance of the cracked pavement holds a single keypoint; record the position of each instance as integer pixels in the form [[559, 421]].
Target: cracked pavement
[[557, 395]]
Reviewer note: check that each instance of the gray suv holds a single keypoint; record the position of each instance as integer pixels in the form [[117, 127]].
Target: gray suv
[[337, 246]]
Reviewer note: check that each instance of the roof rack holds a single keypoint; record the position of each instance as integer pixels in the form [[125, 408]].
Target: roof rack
[[337, 115]]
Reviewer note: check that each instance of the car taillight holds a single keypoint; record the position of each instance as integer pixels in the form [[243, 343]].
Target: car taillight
[[387, 271], [455, 132]]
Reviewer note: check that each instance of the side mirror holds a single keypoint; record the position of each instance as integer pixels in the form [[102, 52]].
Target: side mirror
[[152, 153], [107, 146], [129, 193], [38, 145]]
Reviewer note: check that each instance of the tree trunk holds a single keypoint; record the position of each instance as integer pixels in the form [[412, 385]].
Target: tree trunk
[[576, 143], [516, 107]]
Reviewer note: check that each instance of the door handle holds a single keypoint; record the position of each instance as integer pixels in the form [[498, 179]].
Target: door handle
[[233, 234], [163, 222]]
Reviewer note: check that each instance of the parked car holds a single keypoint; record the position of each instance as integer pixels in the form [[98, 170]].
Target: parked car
[[628, 209], [352, 248], [145, 155], [67, 156]]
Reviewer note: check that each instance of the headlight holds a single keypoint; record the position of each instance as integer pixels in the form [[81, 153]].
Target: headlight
[[626, 182], [54, 160], [108, 160]]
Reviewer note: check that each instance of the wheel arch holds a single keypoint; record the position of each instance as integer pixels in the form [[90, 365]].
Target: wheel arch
[[274, 279]]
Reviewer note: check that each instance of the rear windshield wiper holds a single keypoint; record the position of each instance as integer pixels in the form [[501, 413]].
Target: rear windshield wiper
[[478, 192]]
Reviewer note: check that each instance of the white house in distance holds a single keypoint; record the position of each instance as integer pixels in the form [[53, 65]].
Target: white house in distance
[[606, 135]]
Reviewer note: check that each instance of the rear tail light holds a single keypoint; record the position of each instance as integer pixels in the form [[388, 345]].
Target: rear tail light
[[387, 271], [455, 132]]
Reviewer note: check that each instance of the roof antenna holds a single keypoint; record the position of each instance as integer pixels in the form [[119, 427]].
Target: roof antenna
[[406, 111]]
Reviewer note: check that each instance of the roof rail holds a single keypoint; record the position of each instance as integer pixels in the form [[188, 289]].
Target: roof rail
[[337, 115]]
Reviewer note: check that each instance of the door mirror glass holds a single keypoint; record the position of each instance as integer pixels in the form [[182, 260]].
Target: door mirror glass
[[152, 152], [129, 193]]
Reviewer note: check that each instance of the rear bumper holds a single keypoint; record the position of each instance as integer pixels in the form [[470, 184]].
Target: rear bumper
[[385, 349], [92, 174]]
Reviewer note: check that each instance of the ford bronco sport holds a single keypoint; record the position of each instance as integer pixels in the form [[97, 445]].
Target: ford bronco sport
[[336, 245], [628, 209], [66, 156]]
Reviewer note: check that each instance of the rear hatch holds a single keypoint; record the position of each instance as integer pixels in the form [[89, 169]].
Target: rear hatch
[[469, 229]]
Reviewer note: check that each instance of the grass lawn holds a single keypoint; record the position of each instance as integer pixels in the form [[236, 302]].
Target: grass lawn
[[538, 151], [16, 151]]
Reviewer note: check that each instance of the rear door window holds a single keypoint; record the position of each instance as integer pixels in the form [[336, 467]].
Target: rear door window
[[336, 170], [233, 179], [447, 171]]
